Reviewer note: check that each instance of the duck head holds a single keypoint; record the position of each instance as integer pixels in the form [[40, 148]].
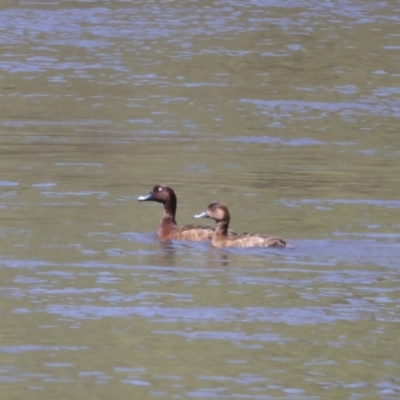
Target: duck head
[[217, 211], [160, 193]]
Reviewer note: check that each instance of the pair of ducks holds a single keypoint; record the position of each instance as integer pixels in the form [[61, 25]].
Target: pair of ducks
[[221, 236]]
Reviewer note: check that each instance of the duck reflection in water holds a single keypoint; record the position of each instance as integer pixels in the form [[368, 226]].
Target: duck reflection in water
[[170, 251]]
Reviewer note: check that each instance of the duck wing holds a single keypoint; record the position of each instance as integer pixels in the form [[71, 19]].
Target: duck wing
[[193, 233]]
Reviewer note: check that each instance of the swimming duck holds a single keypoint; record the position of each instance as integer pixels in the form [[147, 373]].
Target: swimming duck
[[220, 213], [168, 228]]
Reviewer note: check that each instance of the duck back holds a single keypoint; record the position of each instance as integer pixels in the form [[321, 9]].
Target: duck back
[[248, 240]]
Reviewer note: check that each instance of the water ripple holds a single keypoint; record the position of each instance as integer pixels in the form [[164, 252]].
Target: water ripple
[[291, 316], [283, 107]]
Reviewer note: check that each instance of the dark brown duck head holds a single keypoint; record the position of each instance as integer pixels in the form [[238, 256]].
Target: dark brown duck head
[[165, 195]]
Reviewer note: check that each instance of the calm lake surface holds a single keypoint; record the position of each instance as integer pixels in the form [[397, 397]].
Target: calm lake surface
[[287, 111]]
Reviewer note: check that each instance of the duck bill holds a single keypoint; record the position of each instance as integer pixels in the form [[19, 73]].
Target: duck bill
[[147, 197], [201, 215]]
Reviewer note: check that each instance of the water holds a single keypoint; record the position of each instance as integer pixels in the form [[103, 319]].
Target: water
[[288, 112]]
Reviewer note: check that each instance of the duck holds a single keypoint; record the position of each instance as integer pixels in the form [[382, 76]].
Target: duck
[[168, 227], [220, 213]]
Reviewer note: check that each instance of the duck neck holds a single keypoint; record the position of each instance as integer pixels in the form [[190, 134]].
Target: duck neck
[[169, 212], [222, 228]]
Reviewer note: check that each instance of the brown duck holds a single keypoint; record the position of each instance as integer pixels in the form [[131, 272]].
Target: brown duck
[[168, 228], [220, 213]]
